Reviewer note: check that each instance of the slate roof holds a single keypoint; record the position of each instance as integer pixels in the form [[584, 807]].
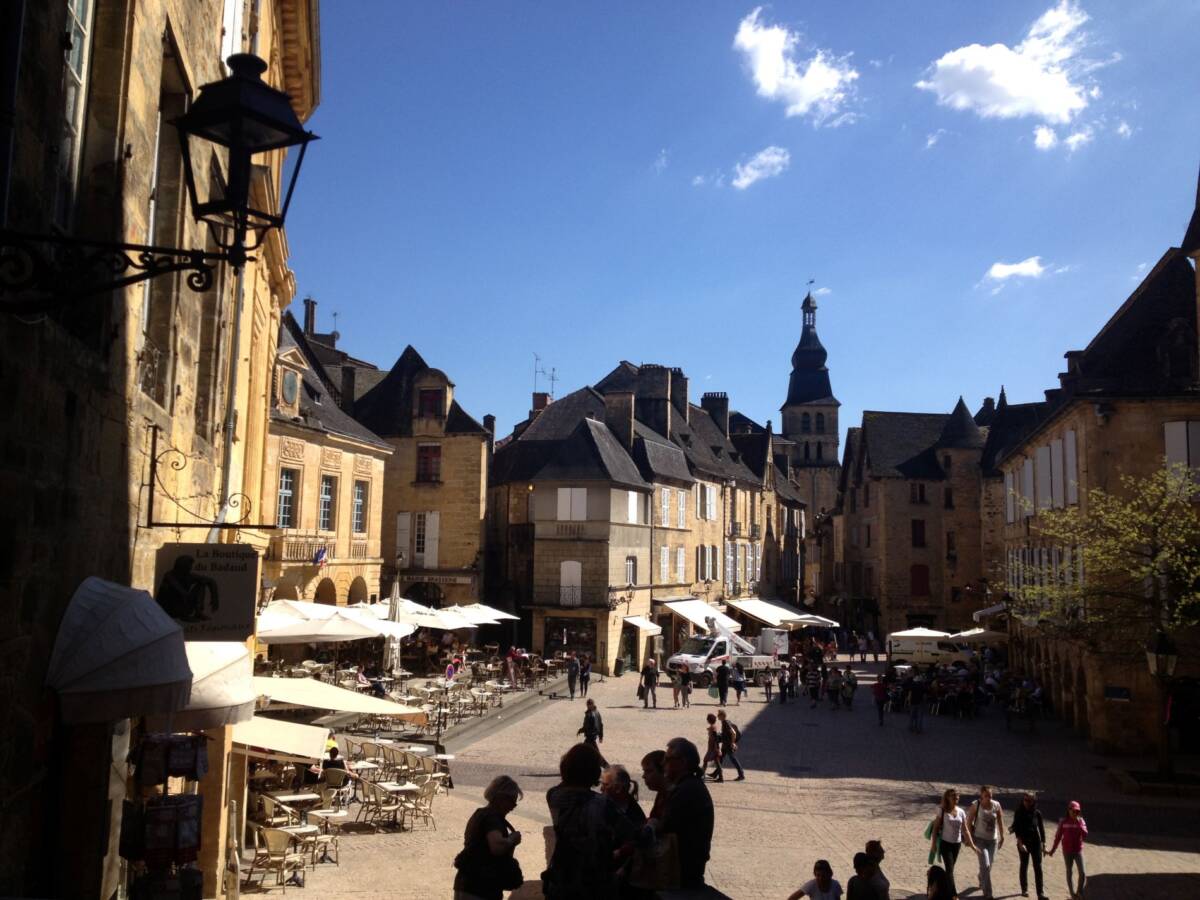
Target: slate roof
[[708, 450], [809, 382], [387, 407], [960, 431], [558, 420], [754, 448], [591, 453], [902, 444], [852, 460], [1191, 238], [740, 424], [319, 410], [1010, 424], [657, 458], [786, 489]]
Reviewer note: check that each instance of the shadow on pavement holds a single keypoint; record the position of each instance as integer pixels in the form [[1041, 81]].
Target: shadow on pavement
[[1166, 886]]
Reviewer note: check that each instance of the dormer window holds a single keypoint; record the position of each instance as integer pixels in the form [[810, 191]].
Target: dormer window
[[430, 403]]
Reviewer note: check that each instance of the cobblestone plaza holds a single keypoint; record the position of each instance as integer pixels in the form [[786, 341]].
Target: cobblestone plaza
[[819, 784]]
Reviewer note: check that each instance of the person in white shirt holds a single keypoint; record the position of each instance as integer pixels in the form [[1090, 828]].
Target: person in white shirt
[[985, 822], [950, 824], [822, 886]]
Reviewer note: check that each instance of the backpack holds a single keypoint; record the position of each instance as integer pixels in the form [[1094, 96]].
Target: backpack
[[737, 733]]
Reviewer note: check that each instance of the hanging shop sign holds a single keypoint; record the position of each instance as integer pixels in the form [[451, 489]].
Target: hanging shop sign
[[209, 589]]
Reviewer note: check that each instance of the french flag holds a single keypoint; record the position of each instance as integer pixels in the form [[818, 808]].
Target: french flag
[[319, 558]]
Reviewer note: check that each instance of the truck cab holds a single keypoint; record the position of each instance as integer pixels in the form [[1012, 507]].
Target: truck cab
[[699, 655]]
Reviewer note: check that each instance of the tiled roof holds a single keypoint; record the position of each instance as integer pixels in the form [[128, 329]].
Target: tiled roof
[[591, 453], [901, 444]]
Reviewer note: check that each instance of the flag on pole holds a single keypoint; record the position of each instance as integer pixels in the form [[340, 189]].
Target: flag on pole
[[319, 558]]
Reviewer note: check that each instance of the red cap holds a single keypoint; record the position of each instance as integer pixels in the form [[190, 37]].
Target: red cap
[[1074, 804]]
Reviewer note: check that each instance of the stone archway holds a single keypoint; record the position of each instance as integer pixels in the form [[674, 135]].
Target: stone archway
[[326, 592], [358, 591], [425, 593]]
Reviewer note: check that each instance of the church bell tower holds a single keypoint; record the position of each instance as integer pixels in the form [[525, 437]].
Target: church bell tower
[[810, 416]]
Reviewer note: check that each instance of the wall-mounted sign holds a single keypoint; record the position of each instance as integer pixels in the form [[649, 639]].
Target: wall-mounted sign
[[209, 589], [443, 579]]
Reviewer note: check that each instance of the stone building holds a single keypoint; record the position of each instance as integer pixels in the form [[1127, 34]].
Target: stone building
[[622, 514], [911, 548], [328, 473], [1126, 403], [87, 95]]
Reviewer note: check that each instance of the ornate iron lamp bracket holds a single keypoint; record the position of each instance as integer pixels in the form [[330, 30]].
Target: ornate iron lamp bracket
[[177, 461], [39, 272]]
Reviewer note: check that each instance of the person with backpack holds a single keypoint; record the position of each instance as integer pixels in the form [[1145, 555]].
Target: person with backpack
[[1072, 830], [985, 820], [593, 728], [572, 673], [1029, 829], [486, 866], [731, 736]]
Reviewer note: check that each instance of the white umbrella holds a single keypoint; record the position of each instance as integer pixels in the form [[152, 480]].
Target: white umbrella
[[471, 610], [812, 620], [302, 609], [381, 626], [979, 636], [919, 633], [222, 688], [404, 610], [318, 631]]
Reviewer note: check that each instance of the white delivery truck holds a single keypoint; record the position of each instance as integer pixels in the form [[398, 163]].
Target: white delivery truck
[[905, 648], [702, 653]]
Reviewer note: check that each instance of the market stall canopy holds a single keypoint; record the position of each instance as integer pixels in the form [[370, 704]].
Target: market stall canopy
[[317, 631], [222, 688], [980, 614], [482, 609], [375, 616], [302, 609], [768, 613], [267, 738], [927, 633], [643, 624], [319, 695], [979, 636], [812, 620], [697, 611], [117, 655]]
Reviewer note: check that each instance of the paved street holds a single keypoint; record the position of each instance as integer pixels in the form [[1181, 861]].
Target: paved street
[[819, 785]]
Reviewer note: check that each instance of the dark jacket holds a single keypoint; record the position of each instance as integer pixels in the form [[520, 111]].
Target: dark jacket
[[587, 829], [728, 737], [650, 676], [593, 725], [689, 817], [722, 676], [572, 669], [1027, 826]]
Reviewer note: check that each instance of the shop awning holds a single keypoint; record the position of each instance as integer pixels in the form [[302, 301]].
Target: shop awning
[[925, 633], [267, 738], [641, 623], [812, 620], [697, 612], [318, 631], [222, 688], [117, 655], [980, 614], [773, 614], [319, 695]]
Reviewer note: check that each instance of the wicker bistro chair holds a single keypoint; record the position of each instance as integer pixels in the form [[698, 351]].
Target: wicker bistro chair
[[283, 856], [276, 814], [383, 806], [336, 791], [420, 804]]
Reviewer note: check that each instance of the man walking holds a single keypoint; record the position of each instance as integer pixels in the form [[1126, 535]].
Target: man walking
[[849, 686], [916, 705], [879, 692], [593, 729], [813, 680], [833, 688], [650, 683], [723, 681], [731, 735], [572, 673]]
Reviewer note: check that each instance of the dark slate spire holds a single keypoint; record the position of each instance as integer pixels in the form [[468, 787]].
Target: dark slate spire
[[1191, 240], [810, 377], [960, 431]]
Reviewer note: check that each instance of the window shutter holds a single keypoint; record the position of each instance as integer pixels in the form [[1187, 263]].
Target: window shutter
[[681, 564], [711, 500], [633, 507], [1057, 494], [700, 563], [714, 563], [758, 561], [729, 563], [1071, 469], [1042, 469], [231, 27], [404, 537], [683, 509], [564, 504], [664, 565], [699, 501], [1027, 487], [578, 504], [431, 539], [1010, 502], [665, 518]]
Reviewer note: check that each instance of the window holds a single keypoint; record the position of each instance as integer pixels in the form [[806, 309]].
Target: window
[[806, 451], [918, 580], [951, 546], [429, 462], [946, 462], [866, 494], [631, 570], [918, 532], [285, 515], [1181, 441], [948, 498], [680, 564], [429, 403], [75, 78], [572, 504], [1042, 470], [853, 499], [1027, 488], [820, 423], [916, 493], [867, 542], [420, 532], [570, 582], [682, 518], [360, 507], [664, 565], [854, 536], [820, 448], [632, 508], [714, 563], [327, 511], [730, 562], [665, 517], [211, 352], [805, 423], [231, 29], [1071, 470]]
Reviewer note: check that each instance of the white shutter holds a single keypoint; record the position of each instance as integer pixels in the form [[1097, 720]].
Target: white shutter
[[665, 516], [431, 539], [231, 30], [1056, 474], [633, 507], [404, 537], [758, 561], [710, 501], [564, 504], [714, 563], [683, 509], [1010, 502], [803, 526], [681, 564], [1042, 467], [699, 501], [1071, 469], [1027, 488], [730, 562], [578, 504]]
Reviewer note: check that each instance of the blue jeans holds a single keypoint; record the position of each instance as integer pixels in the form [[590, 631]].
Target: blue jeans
[[987, 855], [1074, 860]]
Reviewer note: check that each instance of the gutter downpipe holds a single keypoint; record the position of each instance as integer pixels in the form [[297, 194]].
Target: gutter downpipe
[[230, 425], [12, 26]]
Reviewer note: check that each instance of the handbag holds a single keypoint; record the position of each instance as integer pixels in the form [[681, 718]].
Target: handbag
[[936, 850], [712, 691], [478, 862], [641, 692]]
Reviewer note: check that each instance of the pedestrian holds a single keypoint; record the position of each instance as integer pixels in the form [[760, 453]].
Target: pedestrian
[[948, 834], [916, 710], [875, 649], [813, 681], [985, 820], [1072, 831], [849, 686], [650, 683], [617, 785], [862, 648], [689, 812], [486, 865], [712, 752], [860, 886], [654, 777], [784, 678], [833, 688], [738, 678], [593, 728], [731, 736], [821, 886], [1029, 829], [572, 673], [673, 676], [585, 674], [879, 692], [723, 674], [768, 685], [874, 849], [685, 687], [937, 884]]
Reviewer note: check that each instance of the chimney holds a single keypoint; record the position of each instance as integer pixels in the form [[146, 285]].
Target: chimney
[[618, 416], [348, 374], [654, 398], [679, 392], [540, 401], [489, 425], [310, 316], [716, 404]]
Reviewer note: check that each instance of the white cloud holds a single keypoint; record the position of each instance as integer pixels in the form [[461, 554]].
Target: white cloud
[[1044, 137], [699, 181], [819, 86], [1124, 130], [932, 138], [1044, 76], [1140, 272], [822, 292], [716, 179], [661, 161], [1026, 268], [1077, 139], [764, 164]]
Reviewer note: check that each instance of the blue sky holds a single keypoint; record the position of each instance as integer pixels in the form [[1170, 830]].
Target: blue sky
[[975, 188]]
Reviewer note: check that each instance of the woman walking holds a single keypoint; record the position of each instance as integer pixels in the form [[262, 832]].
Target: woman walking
[[1029, 829], [985, 821], [949, 826], [673, 675], [738, 678], [1071, 833], [486, 867], [713, 754], [585, 674], [572, 673], [685, 687]]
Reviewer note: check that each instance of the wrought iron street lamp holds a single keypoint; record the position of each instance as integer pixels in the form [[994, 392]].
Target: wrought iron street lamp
[[1161, 656], [241, 114]]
